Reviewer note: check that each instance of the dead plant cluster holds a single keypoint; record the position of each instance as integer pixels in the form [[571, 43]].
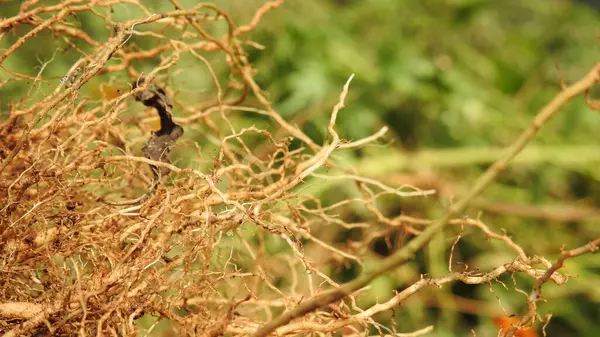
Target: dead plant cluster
[[97, 236]]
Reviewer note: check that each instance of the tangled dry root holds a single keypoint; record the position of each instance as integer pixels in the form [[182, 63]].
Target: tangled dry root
[[231, 243]]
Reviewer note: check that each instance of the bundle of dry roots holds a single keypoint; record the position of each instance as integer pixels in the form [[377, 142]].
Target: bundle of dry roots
[[106, 231]]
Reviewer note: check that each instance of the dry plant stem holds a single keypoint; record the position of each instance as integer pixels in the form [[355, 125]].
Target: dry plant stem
[[536, 293], [522, 264], [465, 277], [35, 320], [19, 309], [257, 16], [408, 252]]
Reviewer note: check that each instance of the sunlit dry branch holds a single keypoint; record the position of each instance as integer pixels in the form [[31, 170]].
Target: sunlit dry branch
[[108, 220]]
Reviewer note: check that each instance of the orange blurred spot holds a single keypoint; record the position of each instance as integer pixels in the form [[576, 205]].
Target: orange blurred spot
[[155, 123], [505, 323]]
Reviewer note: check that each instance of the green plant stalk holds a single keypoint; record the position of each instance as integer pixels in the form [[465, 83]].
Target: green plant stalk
[[562, 155], [408, 252]]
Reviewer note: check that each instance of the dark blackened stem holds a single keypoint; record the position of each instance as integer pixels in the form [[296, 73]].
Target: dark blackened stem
[[154, 96], [166, 120]]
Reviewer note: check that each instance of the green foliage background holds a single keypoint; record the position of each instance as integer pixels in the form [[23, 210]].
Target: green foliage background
[[456, 81]]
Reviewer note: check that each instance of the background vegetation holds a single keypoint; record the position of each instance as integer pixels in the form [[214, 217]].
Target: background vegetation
[[456, 81]]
